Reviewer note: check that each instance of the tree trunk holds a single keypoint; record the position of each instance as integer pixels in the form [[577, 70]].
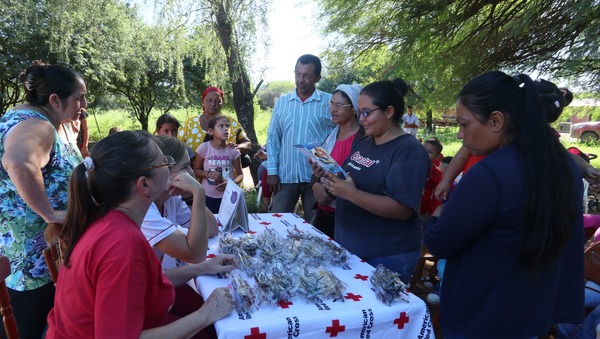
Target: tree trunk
[[243, 100]]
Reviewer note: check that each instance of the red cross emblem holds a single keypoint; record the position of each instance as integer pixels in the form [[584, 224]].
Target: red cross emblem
[[210, 256], [335, 328], [277, 215], [285, 304], [361, 277], [251, 232], [402, 320], [255, 334], [353, 297]]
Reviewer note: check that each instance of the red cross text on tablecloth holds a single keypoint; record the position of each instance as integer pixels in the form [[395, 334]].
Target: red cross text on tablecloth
[[402, 320], [210, 256], [255, 334], [285, 304], [277, 215], [335, 328], [353, 297], [361, 277], [265, 223]]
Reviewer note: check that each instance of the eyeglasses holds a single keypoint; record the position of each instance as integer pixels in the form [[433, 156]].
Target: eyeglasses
[[337, 105], [168, 161], [365, 112]]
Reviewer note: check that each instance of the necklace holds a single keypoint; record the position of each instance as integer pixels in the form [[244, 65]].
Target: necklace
[[348, 132]]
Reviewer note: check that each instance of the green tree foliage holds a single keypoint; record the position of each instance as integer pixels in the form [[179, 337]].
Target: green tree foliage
[[228, 30], [439, 45], [269, 93], [24, 33]]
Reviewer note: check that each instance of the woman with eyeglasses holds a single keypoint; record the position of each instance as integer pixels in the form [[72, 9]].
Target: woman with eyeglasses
[[343, 108], [377, 206], [112, 284]]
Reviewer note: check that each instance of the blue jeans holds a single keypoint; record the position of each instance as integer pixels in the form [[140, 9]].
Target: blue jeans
[[403, 264]]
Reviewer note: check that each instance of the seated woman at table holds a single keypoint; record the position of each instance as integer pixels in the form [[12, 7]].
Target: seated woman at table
[[112, 284], [512, 230], [377, 206], [174, 229], [170, 225]]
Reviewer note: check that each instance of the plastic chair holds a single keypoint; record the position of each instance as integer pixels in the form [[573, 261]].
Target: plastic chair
[[10, 323], [52, 252]]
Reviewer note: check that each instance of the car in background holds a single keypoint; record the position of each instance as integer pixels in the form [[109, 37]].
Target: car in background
[[586, 131]]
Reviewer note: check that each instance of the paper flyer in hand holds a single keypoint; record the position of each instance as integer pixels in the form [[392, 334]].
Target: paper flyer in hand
[[233, 213], [318, 154]]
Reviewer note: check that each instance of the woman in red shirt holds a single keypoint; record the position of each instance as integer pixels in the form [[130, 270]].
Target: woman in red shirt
[[112, 284]]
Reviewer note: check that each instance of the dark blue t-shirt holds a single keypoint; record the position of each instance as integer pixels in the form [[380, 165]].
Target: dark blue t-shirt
[[486, 291], [397, 169]]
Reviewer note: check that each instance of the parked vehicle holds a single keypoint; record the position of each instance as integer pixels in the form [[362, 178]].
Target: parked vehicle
[[586, 131]]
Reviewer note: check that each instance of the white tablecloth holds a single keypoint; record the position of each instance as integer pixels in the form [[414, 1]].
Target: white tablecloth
[[361, 315]]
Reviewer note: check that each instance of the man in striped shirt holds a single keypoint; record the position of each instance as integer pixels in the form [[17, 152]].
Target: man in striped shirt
[[299, 117]]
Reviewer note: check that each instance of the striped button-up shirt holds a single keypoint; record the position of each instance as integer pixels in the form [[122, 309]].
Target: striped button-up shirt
[[296, 122]]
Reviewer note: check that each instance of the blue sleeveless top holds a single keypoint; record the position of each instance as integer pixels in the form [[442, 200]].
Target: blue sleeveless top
[[21, 229]]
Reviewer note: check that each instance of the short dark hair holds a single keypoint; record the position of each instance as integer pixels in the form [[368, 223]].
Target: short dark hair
[[42, 80], [166, 119], [386, 93], [433, 141], [311, 59]]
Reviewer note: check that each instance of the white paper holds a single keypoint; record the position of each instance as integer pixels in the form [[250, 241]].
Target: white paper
[[233, 213]]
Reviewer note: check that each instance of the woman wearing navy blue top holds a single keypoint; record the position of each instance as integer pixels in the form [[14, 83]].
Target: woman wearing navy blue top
[[377, 210], [512, 230]]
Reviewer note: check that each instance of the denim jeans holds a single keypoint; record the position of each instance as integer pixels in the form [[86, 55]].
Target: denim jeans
[[403, 264]]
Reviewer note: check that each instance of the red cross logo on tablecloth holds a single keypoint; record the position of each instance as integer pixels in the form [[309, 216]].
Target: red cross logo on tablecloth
[[353, 297], [402, 320], [265, 223], [210, 256], [285, 304], [335, 328], [361, 277], [251, 232], [277, 215], [255, 334]]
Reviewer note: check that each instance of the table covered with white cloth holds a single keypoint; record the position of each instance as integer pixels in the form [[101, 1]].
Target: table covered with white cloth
[[359, 315]]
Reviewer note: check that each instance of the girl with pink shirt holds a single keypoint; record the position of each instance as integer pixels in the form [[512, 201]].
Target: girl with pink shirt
[[216, 162]]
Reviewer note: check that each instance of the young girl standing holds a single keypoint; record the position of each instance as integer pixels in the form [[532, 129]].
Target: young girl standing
[[216, 162]]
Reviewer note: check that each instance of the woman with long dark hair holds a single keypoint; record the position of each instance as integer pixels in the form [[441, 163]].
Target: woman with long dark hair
[[112, 284], [512, 230], [37, 161]]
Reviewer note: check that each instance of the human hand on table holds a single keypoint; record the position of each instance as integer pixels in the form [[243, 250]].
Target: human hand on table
[[218, 305], [343, 188], [219, 264]]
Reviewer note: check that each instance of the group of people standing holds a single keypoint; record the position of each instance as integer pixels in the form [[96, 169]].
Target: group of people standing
[[518, 209]]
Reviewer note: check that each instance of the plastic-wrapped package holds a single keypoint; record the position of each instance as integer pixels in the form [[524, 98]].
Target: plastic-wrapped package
[[321, 282], [388, 286]]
